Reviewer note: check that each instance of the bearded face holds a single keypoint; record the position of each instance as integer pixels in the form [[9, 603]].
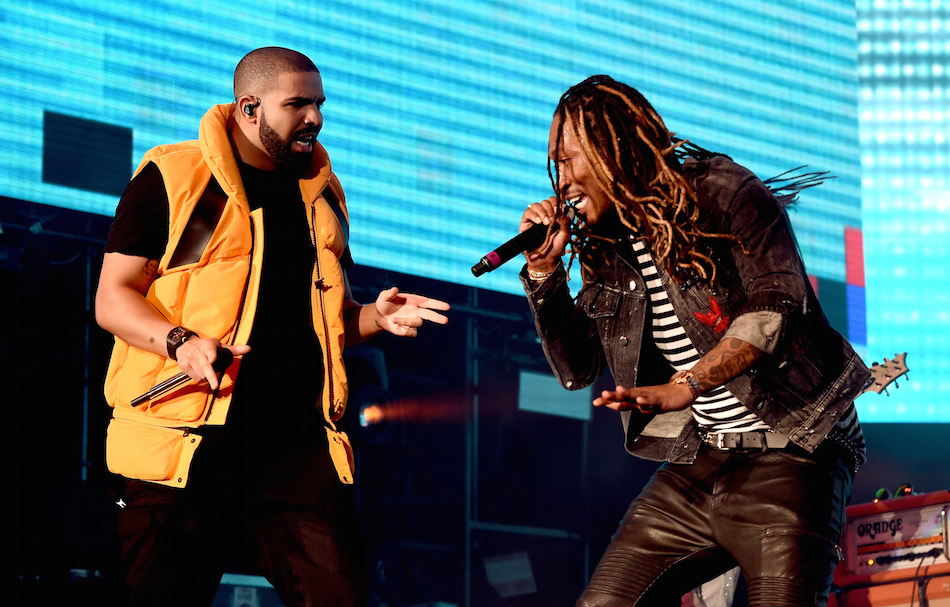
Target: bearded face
[[293, 153]]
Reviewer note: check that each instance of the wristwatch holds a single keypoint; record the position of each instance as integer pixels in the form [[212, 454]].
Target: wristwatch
[[176, 337]]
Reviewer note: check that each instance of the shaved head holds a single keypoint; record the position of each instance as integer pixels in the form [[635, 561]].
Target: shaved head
[[257, 72]]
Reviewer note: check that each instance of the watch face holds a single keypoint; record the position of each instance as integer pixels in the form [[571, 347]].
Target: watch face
[[175, 338]]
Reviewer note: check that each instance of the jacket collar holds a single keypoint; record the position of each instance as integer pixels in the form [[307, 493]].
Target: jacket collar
[[214, 139]]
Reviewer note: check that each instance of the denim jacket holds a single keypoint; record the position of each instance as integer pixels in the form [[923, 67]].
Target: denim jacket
[[800, 389]]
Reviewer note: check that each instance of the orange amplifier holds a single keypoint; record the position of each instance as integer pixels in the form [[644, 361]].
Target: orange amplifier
[[896, 553]]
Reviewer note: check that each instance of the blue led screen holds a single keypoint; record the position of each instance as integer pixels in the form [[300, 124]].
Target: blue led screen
[[437, 112], [904, 109]]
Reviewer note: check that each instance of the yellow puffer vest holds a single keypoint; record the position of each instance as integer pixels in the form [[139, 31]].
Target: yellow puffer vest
[[217, 296]]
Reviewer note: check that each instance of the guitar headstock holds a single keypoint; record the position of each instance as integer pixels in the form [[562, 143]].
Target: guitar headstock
[[883, 374]]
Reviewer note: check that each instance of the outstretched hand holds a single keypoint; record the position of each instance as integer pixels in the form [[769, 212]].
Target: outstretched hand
[[402, 313], [646, 399]]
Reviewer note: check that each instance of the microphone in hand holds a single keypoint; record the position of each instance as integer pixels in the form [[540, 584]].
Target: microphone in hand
[[223, 360], [530, 239]]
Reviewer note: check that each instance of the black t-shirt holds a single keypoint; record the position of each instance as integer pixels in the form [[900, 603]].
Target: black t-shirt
[[274, 441], [140, 226]]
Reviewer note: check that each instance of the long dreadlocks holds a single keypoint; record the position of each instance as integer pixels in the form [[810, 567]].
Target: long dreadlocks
[[631, 154]]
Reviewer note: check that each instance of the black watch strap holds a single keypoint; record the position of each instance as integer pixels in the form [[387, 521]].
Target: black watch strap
[[176, 337]]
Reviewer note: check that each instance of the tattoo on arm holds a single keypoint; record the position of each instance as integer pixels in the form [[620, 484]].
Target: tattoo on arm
[[728, 359], [150, 269]]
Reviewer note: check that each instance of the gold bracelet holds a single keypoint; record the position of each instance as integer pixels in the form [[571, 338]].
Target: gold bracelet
[[539, 276], [690, 380]]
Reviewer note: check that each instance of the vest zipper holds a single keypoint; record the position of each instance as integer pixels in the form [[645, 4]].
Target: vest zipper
[[319, 285], [237, 324]]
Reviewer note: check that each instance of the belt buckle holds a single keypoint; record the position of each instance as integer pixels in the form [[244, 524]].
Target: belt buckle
[[714, 439], [732, 441], [720, 441]]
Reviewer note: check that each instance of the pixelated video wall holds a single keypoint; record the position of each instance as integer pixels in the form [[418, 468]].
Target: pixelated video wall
[[904, 109], [437, 113]]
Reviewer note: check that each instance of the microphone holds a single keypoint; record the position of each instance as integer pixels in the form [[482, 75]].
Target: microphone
[[532, 238], [223, 361]]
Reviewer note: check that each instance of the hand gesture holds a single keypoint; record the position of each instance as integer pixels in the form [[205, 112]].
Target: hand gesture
[[647, 399], [197, 355], [402, 313]]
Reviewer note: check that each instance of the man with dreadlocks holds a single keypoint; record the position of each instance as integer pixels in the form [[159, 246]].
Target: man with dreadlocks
[[696, 298]]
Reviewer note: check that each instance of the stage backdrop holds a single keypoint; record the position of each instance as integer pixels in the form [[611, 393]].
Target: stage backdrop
[[437, 113]]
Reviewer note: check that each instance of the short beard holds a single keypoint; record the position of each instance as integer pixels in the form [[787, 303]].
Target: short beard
[[280, 151]]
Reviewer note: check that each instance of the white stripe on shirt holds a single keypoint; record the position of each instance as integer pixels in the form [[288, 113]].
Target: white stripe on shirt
[[717, 410]]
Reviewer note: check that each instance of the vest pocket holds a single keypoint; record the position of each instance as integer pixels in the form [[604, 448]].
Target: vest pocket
[[148, 453], [188, 403]]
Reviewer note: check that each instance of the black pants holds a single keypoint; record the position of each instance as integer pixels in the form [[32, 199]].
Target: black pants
[[777, 514], [177, 543]]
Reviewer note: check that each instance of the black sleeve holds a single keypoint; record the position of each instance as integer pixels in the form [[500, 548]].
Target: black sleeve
[[140, 227], [569, 337], [346, 260]]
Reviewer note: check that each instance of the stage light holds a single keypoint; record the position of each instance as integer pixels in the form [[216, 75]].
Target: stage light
[[365, 417], [370, 404], [904, 490], [881, 495], [370, 413]]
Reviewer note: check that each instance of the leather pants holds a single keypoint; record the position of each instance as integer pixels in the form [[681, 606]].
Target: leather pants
[[778, 514]]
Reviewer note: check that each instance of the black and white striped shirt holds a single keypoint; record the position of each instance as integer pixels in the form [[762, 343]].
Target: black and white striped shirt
[[718, 410]]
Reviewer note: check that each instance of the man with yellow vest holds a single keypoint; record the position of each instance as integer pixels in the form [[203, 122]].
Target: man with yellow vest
[[234, 246]]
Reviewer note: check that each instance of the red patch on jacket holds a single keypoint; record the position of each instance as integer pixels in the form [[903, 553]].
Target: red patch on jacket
[[714, 317]]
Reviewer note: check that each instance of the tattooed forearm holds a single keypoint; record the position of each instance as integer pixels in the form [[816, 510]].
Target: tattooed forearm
[[728, 359]]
